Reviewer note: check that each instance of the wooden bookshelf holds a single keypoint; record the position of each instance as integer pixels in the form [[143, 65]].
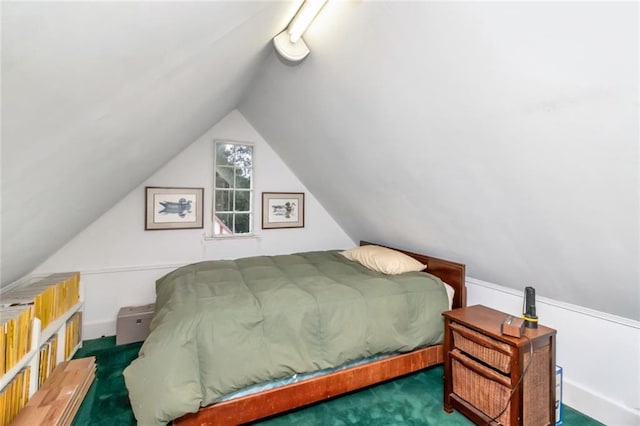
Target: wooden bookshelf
[[55, 301]]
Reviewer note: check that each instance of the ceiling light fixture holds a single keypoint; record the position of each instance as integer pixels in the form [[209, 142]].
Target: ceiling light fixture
[[289, 43]]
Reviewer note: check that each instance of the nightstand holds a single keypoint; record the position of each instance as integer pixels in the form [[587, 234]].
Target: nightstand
[[484, 369]]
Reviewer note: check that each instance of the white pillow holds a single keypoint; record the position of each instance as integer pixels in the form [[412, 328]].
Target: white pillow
[[382, 259]]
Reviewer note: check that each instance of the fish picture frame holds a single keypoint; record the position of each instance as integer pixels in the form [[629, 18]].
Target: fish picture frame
[[282, 210], [173, 208]]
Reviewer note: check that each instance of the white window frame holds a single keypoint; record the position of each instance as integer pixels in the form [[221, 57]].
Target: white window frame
[[214, 220]]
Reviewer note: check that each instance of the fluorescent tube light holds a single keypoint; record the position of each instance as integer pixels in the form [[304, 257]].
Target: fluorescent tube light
[[303, 18]]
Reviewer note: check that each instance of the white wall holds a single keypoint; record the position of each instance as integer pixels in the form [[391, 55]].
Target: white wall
[[120, 261], [599, 353]]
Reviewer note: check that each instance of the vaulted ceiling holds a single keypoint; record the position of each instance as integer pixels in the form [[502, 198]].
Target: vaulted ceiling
[[96, 96], [500, 134]]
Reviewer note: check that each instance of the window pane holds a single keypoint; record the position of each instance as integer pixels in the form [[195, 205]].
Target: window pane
[[243, 201], [223, 200], [243, 223], [223, 224], [244, 156], [243, 178], [224, 154], [224, 177]]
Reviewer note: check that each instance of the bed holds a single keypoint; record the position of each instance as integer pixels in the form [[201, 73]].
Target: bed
[[287, 352]]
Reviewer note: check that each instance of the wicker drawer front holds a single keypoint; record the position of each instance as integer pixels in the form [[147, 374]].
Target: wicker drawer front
[[482, 347], [480, 386]]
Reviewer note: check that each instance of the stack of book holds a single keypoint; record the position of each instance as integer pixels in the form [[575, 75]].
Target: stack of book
[[48, 359], [51, 296], [14, 396], [72, 334], [15, 335]]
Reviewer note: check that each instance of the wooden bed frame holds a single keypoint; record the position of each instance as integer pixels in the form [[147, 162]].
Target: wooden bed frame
[[267, 403]]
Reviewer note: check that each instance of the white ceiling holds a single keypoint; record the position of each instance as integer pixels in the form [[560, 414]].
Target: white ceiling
[[98, 95], [503, 135]]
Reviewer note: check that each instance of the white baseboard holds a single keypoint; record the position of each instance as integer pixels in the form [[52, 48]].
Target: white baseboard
[[567, 307], [95, 330], [594, 405]]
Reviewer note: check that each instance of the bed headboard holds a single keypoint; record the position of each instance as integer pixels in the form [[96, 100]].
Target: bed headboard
[[452, 273]]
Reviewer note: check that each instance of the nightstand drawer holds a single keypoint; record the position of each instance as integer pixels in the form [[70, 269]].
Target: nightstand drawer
[[482, 347], [482, 387]]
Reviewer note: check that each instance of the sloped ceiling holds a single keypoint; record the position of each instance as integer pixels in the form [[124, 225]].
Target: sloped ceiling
[[98, 95], [503, 135]]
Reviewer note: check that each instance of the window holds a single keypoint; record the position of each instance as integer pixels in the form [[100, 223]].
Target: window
[[233, 189]]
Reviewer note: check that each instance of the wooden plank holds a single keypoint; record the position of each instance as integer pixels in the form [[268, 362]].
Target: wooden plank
[[31, 415], [58, 400], [77, 401]]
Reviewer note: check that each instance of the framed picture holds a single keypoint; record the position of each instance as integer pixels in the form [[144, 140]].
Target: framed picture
[[282, 210], [173, 208]]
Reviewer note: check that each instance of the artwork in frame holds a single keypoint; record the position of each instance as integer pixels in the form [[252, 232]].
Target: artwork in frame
[[282, 210], [173, 208]]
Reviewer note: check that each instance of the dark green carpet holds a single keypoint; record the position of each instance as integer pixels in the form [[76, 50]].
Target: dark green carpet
[[107, 402], [412, 400]]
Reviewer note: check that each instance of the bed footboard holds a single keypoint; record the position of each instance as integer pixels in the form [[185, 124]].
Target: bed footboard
[[274, 401]]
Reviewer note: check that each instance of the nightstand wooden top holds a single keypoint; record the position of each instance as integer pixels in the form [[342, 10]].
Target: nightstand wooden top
[[487, 320]]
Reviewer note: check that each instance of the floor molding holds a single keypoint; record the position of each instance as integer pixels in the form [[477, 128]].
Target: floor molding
[[558, 304], [95, 330], [598, 406]]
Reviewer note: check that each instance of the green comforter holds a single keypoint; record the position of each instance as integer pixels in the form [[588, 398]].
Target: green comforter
[[220, 326]]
